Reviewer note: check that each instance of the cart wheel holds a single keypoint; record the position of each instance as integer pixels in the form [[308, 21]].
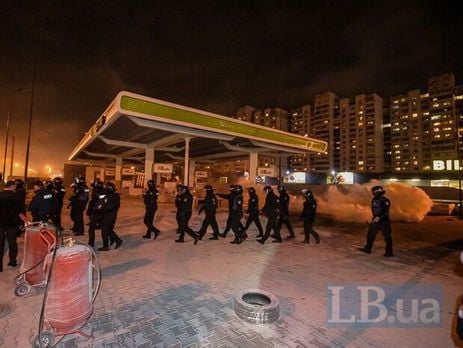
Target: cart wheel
[[46, 340], [20, 279], [22, 290]]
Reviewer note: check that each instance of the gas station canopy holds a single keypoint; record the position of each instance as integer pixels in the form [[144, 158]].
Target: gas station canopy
[[135, 128], [133, 122]]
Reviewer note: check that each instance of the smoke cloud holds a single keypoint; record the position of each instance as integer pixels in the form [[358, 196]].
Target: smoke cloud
[[352, 203]]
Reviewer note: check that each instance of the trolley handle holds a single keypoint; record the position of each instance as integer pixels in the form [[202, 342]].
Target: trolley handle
[[48, 237], [24, 219]]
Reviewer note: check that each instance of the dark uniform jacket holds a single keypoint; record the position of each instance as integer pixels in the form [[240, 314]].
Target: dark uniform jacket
[[94, 198], [253, 204], [380, 208], [230, 197], [186, 205], [271, 205], [79, 197], [209, 203], [43, 204], [109, 204], [21, 193], [237, 206], [310, 209], [60, 192], [10, 208], [150, 198], [284, 203]]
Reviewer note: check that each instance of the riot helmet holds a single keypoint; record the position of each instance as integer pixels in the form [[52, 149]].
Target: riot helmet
[[377, 190]]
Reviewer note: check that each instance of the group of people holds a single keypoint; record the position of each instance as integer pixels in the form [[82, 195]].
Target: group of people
[[275, 209], [101, 205]]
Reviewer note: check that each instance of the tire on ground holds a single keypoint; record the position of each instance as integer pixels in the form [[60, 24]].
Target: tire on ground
[[257, 306]]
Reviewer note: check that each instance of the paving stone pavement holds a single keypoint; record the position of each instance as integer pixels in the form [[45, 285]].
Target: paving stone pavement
[[162, 294]]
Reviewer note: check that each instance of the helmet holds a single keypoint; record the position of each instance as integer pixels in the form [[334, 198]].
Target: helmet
[[307, 193], [38, 183], [232, 187], [150, 183], [182, 189], [110, 187], [48, 184], [58, 181], [268, 189], [281, 188], [80, 179], [251, 190], [378, 190], [97, 183], [19, 183], [208, 188], [238, 189]]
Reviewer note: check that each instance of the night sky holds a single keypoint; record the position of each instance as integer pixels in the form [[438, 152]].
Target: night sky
[[214, 56]]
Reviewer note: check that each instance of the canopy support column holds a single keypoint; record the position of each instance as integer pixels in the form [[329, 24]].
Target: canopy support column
[[186, 165]]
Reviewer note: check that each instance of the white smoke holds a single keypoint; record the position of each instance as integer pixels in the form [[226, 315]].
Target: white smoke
[[352, 203]]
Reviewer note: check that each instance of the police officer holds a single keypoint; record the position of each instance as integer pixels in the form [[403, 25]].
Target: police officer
[[21, 193], [109, 205], [60, 192], [284, 212], [95, 214], [308, 216], [184, 213], [253, 211], [78, 202], [10, 208], [209, 205], [270, 210], [380, 206], [230, 197], [150, 198], [236, 215], [42, 204], [178, 204]]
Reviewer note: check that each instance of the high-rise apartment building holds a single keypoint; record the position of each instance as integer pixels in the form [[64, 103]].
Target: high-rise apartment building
[[362, 144], [424, 125], [273, 118], [300, 124], [325, 125], [245, 113]]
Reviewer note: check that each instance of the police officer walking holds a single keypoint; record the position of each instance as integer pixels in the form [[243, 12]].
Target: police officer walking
[[178, 204], [109, 205], [270, 210], [10, 208], [284, 213], [42, 206], [308, 216], [236, 215], [78, 202], [184, 212], [253, 211], [60, 192], [209, 205], [150, 198], [95, 214], [380, 206], [230, 197]]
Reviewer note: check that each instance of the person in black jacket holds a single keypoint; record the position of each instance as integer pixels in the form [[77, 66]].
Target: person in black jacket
[[209, 205], [229, 197], [10, 208], [380, 206], [95, 215], [109, 205], [184, 213], [21, 193], [284, 213], [253, 211], [150, 198], [178, 204], [42, 206], [236, 215], [78, 202], [59, 192], [308, 216], [270, 210]]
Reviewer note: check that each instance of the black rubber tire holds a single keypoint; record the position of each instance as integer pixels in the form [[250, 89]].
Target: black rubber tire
[[257, 306]]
